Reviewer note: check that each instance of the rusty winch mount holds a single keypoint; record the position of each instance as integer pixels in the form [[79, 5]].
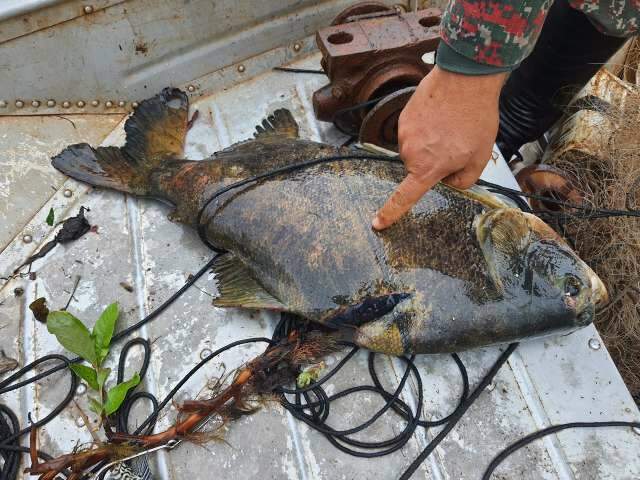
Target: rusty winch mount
[[373, 51], [549, 181]]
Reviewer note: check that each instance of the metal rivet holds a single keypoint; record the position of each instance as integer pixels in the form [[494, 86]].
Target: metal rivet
[[491, 387], [95, 103], [82, 388], [27, 238], [636, 430], [204, 353], [19, 103], [67, 193], [121, 103], [79, 422], [594, 344], [108, 104], [35, 104], [80, 104], [66, 104], [134, 104], [399, 8], [51, 103], [3, 104], [241, 68], [191, 88], [88, 9], [297, 47]]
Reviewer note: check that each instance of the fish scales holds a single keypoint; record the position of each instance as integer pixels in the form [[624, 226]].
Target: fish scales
[[306, 236]]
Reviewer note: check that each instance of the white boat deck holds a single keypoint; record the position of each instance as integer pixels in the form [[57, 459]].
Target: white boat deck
[[546, 381]]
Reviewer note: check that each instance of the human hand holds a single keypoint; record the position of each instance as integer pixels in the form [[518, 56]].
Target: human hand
[[445, 132]]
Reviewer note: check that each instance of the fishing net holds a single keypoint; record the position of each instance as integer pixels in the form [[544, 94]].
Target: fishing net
[[599, 146]]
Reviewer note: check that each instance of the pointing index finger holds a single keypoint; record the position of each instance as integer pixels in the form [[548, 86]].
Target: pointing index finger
[[405, 196]]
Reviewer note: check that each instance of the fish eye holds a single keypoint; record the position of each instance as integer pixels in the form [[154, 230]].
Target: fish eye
[[572, 285]]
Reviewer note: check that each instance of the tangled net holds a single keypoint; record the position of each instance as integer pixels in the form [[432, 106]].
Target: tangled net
[[599, 146]]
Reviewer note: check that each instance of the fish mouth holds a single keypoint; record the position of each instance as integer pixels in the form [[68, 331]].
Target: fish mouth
[[599, 294]]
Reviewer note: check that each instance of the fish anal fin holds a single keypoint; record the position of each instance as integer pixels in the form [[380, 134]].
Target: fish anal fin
[[238, 288], [280, 122]]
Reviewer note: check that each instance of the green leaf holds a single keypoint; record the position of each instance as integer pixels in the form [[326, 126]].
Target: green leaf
[[103, 330], [50, 218], [103, 374], [88, 374], [116, 395], [72, 335], [95, 406]]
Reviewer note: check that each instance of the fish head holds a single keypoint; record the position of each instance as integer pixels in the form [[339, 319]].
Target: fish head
[[533, 265]]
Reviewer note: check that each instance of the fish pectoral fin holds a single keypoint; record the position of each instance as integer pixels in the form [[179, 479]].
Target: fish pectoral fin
[[280, 122], [368, 309], [238, 288]]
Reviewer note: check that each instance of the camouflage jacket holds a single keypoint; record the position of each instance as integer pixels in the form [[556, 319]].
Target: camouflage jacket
[[488, 36]]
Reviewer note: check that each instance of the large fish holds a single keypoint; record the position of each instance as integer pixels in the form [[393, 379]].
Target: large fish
[[462, 270]]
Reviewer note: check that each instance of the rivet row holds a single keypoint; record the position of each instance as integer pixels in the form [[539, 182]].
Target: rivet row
[[67, 104]]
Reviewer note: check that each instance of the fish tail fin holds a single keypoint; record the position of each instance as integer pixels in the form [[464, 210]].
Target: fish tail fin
[[155, 134], [103, 167]]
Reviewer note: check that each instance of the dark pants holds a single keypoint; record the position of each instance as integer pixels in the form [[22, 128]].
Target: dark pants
[[568, 53]]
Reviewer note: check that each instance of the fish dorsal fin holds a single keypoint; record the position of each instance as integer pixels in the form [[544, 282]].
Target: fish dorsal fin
[[280, 122], [238, 288], [158, 127], [276, 128]]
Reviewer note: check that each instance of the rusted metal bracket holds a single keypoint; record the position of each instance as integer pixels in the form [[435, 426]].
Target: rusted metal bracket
[[374, 52], [549, 181]]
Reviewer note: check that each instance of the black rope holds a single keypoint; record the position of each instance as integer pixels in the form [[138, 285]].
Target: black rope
[[345, 115], [122, 416], [523, 442], [587, 212], [320, 408], [488, 378], [10, 432], [315, 411], [298, 70]]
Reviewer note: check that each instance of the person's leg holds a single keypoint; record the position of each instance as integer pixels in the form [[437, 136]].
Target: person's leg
[[568, 53]]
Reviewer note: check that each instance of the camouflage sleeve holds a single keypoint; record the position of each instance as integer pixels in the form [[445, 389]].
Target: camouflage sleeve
[[490, 35], [612, 17]]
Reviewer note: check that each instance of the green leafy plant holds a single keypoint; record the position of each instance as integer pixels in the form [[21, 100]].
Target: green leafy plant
[[310, 375], [93, 347], [51, 217]]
